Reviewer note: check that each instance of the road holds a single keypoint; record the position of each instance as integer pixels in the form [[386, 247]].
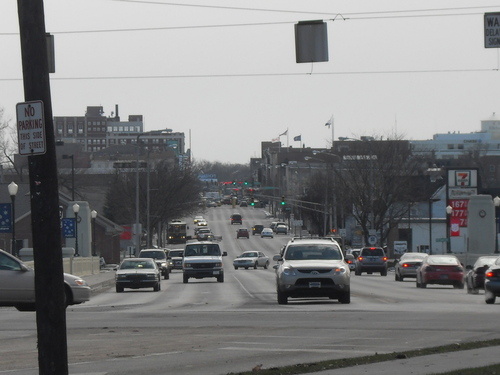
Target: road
[[205, 327]]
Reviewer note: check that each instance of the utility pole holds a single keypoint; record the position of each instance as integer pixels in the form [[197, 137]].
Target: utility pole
[[49, 282]]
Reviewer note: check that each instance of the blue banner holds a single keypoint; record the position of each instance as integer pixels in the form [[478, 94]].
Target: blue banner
[[68, 228], [5, 218]]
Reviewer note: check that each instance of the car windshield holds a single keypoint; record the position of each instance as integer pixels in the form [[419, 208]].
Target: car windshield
[[443, 260], [157, 254], [313, 252], [249, 255], [413, 256], [175, 253], [137, 264], [202, 249]]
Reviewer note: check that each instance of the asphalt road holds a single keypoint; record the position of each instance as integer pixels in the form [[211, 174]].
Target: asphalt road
[[205, 327]]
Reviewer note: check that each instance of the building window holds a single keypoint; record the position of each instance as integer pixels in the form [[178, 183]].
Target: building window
[[80, 129], [120, 128], [492, 168], [451, 147], [460, 147]]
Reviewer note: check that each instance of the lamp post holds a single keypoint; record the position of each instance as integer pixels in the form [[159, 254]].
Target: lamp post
[[496, 201], [431, 201], [449, 210], [137, 232], [72, 157], [76, 209], [93, 215], [13, 188]]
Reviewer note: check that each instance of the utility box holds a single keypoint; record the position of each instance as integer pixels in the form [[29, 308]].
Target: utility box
[[311, 42]]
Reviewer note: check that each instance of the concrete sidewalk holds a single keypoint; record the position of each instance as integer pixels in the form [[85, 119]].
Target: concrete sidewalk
[[424, 365], [101, 280]]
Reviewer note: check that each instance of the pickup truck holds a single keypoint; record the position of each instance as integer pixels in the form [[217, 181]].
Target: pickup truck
[[201, 260]]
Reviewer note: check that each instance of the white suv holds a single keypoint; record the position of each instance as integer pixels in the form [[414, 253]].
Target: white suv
[[312, 268]]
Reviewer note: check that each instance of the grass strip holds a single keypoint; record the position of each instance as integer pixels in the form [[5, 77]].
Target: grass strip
[[304, 368]]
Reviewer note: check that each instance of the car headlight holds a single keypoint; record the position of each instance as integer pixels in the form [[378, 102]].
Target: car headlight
[[339, 270], [151, 276], [288, 271], [218, 264], [163, 264], [171, 262], [121, 276], [187, 265]]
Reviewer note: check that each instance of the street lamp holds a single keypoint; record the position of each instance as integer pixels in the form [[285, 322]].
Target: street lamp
[[13, 187], [496, 201], [72, 157], [76, 209], [449, 210], [93, 215]]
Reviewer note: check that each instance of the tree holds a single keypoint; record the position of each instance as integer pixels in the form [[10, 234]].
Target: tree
[[8, 145], [174, 193]]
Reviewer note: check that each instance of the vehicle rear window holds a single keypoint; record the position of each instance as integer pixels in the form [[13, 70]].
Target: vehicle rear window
[[443, 260], [375, 252], [152, 254]]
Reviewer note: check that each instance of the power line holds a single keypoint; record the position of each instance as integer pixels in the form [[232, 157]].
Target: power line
[[247, 75]]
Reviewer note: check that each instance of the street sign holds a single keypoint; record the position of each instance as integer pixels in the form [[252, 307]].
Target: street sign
[[372, 240], [31, 128], [492, 30], [441, 240]]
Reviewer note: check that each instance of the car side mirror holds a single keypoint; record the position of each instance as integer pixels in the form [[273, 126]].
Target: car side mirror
[[224, 253], [468, 267], [277, 258], [275, 266]]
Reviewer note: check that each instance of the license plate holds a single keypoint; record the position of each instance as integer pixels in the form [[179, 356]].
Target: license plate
[[315, 284], [216, 272], [444, 276]]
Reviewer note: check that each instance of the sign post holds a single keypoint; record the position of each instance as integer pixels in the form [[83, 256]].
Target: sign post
[[31, 128]]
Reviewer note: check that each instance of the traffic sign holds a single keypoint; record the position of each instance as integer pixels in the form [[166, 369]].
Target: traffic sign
[[31, 128], [372, 240], [492, 30]]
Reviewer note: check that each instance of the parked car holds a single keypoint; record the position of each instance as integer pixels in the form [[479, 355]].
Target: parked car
[[407, 265], [281, 228], [160, 257], [492, 283], [17, 285], [251, 259], [243, 204], [135, 273], [371, 259], [236, 219], [474, 278], [242, 232], [257, 229], [440, 269], [312, 268], [175, 257], [267, 232]]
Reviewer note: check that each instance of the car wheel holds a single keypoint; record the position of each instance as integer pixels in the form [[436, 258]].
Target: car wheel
[[166, 276], [67, 296], [489, 297], [185, 278], [119, 289], [396, 276], [235, 268], [357, 272], [220, 278], [266, 265], [282, 298], [423, 285], [383, 273], [255, 266], [345, 298], [417, 284], [458, 285]]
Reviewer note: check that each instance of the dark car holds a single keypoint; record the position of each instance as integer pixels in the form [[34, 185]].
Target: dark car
[[138, 273], [492, 283], [257, 229], [236, 219], [242, 232], [371, 259], [243, 204], [175, 257], [160, 257], [441, 269], [474, 279]]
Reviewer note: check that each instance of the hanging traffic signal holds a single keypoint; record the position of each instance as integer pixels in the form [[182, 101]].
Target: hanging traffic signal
[[252, 202], [283, 200]]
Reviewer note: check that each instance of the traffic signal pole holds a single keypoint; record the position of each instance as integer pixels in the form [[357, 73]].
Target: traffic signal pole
[[49, 282]]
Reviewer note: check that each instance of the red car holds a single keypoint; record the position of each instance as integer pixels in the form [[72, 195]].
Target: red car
[[442, 270]]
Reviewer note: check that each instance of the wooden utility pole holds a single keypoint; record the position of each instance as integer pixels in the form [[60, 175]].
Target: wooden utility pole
[[49, 282]]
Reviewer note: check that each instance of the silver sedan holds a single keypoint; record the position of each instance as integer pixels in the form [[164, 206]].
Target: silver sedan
[[252, 259], [17, 285]]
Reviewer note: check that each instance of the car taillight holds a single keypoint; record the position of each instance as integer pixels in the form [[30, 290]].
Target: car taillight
[[405, 265], [384, 259], [349, 261], [494, 273], [360, 258]]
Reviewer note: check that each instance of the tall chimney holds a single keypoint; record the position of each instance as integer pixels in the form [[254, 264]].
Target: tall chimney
[[117, 116]]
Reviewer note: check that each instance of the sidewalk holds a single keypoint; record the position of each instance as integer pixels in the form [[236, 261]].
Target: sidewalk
[[424, 365]]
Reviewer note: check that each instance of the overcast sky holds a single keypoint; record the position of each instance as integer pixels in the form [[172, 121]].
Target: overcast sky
[[224, 71]]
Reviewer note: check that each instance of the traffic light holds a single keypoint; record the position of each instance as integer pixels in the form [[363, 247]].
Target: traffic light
[[252, 202], [283, 200]]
